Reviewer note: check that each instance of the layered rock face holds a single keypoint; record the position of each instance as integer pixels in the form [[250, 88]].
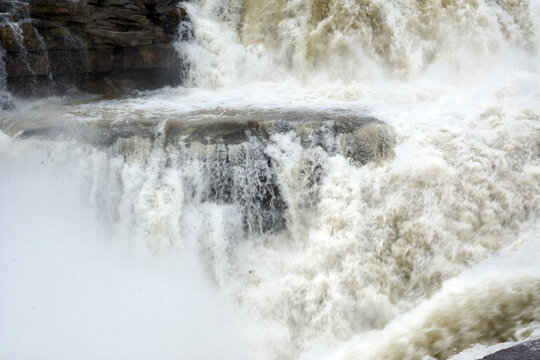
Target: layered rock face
[[100, 46]]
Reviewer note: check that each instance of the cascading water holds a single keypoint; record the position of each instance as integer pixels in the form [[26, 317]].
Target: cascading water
[[45, 53], [6, 101], [5, 97], [14, 16], [338, 179]]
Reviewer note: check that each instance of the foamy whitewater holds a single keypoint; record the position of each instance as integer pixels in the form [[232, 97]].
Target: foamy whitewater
[[120, 240]]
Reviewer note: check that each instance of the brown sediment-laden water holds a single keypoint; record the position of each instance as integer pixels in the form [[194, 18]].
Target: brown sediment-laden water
[[334, 180]]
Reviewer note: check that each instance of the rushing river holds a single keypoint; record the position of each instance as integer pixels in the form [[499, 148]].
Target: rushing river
[[335, 180]]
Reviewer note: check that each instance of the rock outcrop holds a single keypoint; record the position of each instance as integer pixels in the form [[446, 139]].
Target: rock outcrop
[[100, 46], [229, 151], [529, 350]]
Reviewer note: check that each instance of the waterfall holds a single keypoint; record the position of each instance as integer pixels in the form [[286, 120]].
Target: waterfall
[[354, 41], [6, 102], [334, 180], [14, 22], [45, 53]]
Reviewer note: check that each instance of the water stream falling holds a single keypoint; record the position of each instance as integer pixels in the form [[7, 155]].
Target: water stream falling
[[335, 180], [45, 53], [3, 74]]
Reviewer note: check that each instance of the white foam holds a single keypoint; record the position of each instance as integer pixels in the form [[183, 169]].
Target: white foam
[[410, 256]]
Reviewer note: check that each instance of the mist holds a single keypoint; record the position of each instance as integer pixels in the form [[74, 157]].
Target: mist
[[71, 290]]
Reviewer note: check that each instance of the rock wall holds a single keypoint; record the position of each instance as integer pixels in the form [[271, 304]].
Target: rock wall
[[99, 46]]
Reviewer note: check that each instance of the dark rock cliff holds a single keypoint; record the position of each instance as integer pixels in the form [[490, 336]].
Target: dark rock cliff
[[99, 46]]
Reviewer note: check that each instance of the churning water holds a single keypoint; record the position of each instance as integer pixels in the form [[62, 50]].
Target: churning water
[[336, 180]]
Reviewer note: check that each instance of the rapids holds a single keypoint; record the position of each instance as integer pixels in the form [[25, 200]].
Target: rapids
[[335, 180]]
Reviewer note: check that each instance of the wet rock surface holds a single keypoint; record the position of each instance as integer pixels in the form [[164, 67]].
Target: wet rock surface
[[529, 350], [99, 46], [6, 101], [230, 150], [360, 138]]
